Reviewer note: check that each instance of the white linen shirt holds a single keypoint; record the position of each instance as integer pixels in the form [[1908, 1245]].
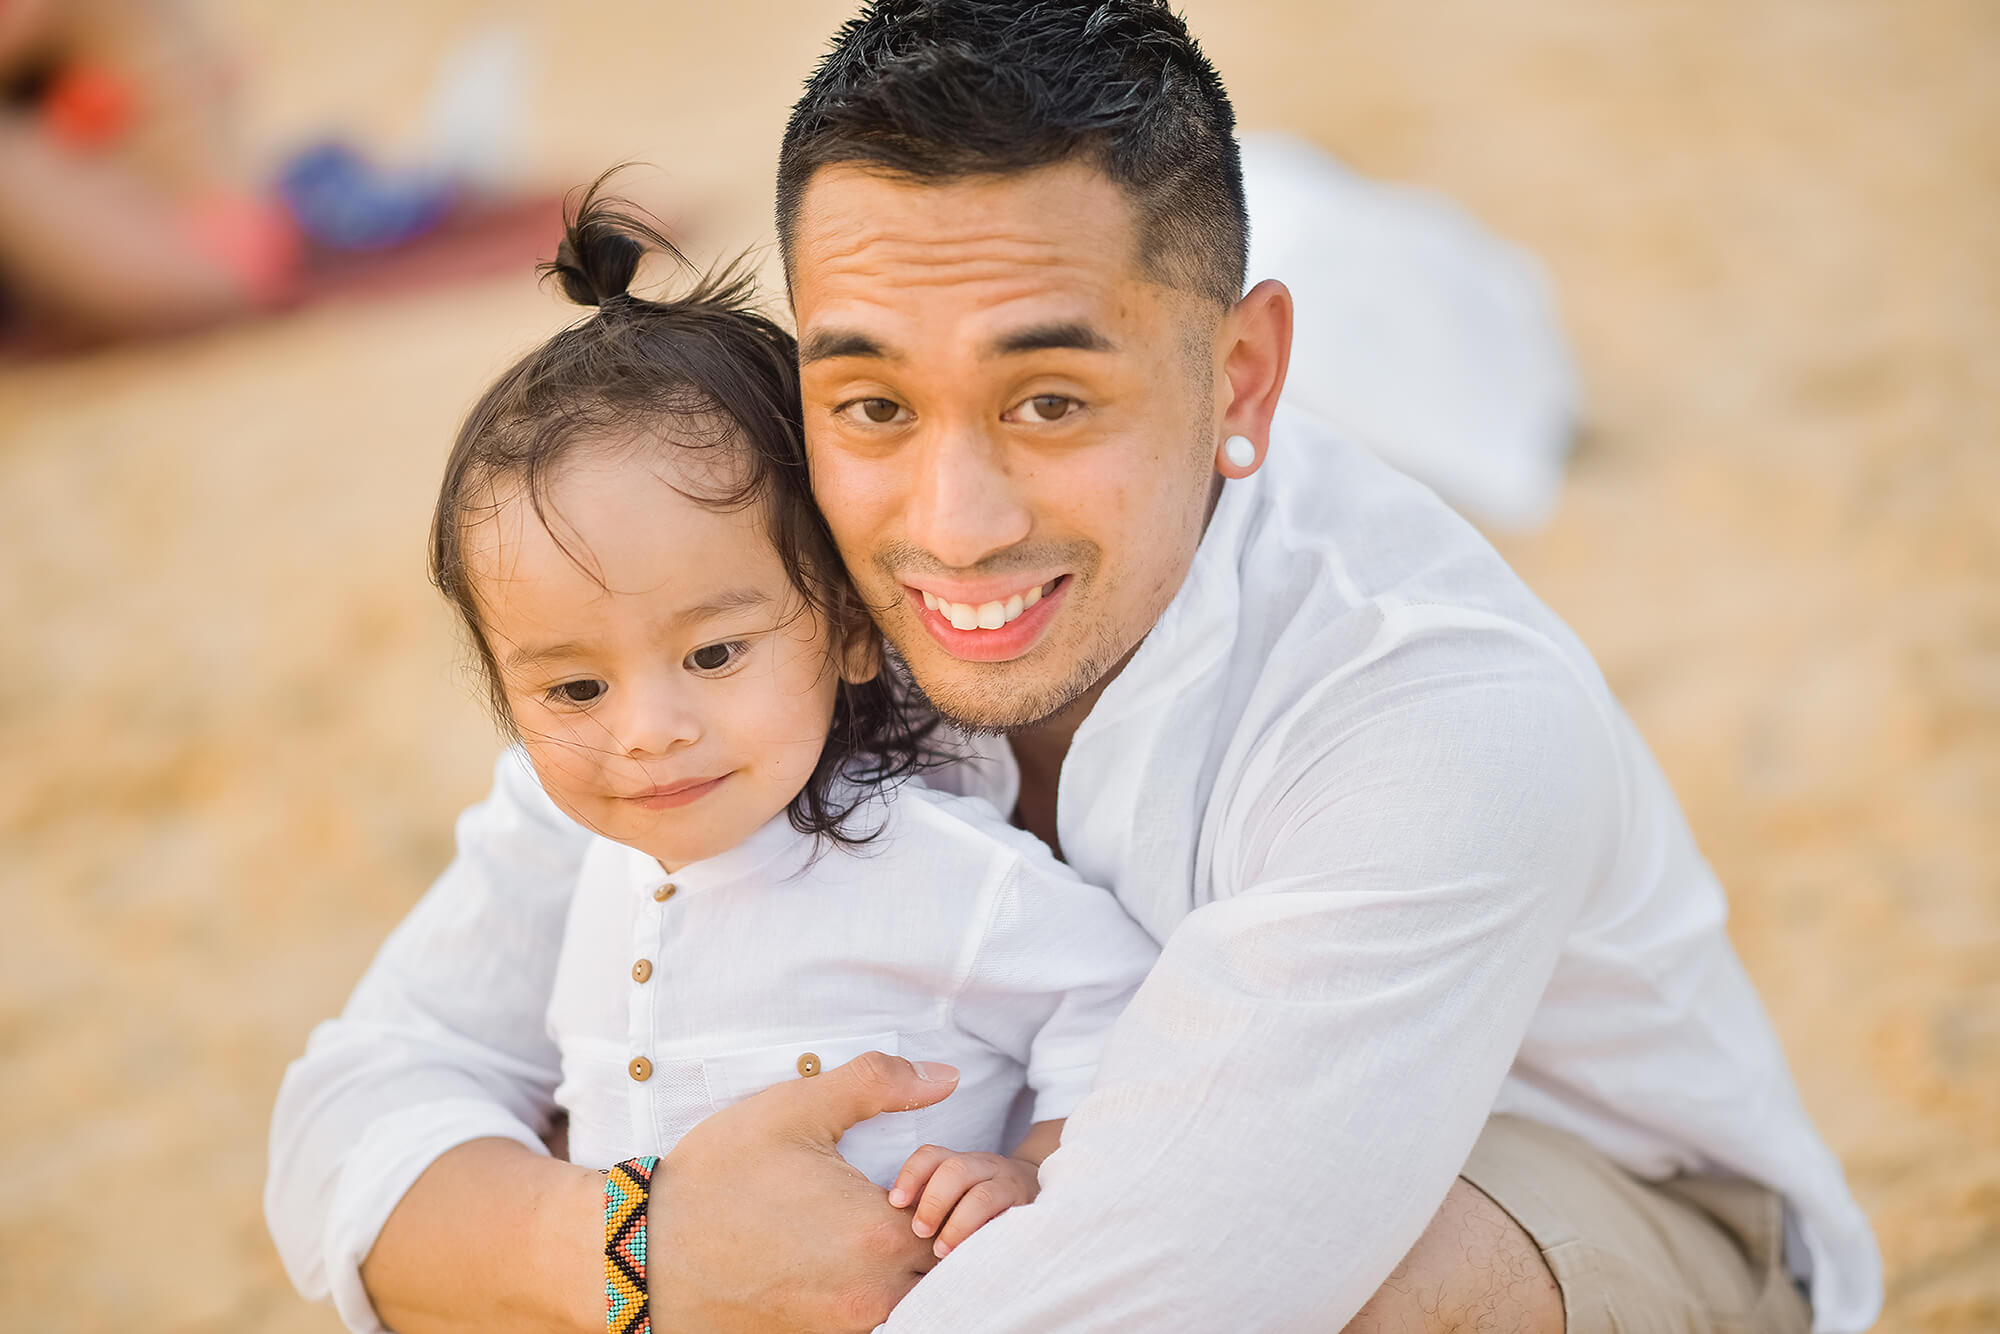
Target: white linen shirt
[[1410, 865], [950, 937]]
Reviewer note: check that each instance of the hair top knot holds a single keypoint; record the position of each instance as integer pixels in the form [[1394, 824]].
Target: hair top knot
[[602, 244]]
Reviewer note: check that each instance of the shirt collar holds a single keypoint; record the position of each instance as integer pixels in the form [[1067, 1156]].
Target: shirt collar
[[772, 854]]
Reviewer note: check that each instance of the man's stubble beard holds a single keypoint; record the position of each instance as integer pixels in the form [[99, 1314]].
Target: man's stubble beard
[[987, 714]]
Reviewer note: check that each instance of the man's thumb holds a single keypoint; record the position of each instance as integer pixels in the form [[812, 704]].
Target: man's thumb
[[870, 1084]]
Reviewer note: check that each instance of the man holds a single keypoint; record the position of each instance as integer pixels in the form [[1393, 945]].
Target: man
[[1445, 1029]]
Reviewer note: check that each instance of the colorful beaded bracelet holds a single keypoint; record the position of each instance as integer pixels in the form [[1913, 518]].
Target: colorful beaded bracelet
[[627, 1189]]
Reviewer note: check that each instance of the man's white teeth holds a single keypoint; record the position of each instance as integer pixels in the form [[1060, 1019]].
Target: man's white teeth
[[984, 615]]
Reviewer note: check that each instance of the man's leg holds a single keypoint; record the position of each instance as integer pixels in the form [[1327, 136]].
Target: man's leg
[[1543, 1233], [1474, 1269]]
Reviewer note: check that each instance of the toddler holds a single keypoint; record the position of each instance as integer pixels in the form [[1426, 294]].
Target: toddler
[[626, 530]]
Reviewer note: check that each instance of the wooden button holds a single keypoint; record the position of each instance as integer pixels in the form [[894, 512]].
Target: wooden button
[[663, 893], [641, 1069], [642, 970], [809, 1065]]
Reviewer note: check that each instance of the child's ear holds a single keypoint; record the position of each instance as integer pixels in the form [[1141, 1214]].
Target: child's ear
[[861, 653]]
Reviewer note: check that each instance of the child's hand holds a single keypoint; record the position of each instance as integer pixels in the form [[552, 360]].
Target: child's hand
[[961, 1192]]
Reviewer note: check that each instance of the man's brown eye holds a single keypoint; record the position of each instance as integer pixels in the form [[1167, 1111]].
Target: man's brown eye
[[580, 692], [879, 410], [1051, 407]]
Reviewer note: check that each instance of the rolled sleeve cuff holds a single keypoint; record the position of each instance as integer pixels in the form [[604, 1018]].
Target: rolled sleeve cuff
[[1057, 1092], [380, 1170]]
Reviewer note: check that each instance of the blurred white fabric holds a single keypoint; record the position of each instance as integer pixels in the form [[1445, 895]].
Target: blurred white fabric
[[1420, 334], [476, 122]]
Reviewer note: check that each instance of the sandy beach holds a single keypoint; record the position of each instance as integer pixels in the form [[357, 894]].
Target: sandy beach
[[243, 730]]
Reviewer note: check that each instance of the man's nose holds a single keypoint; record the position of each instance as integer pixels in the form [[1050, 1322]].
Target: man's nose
[[965, 501], [655, 718]]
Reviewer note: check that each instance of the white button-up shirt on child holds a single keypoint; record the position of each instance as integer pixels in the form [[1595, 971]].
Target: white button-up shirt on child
[[950, 937]]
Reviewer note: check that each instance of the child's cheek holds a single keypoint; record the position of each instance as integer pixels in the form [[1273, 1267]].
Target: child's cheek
[[564, 765]]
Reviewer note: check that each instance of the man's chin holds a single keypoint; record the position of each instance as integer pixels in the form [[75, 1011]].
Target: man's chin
[[999, 698]]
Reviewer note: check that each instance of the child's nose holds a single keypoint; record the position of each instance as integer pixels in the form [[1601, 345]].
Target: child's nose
[[656, 721]]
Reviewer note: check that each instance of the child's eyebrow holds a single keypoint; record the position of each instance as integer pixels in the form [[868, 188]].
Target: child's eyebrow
[[523, 656], [735, 599]]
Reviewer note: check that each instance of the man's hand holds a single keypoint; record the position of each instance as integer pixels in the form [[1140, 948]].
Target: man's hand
[[757, 1223], [959, 1193]]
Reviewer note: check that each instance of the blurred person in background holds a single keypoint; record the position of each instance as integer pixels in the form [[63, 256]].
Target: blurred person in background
[[128, 207], [1446, 1032], [124, 204]]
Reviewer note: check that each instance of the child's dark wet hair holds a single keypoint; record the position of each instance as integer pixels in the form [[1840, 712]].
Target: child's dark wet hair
[[727, 379]]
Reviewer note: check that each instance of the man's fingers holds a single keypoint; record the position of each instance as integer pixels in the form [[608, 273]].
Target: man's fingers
[[869, 1085], [916, 1173]]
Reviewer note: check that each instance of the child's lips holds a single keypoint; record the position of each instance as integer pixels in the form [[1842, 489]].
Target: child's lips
[[670, 795]]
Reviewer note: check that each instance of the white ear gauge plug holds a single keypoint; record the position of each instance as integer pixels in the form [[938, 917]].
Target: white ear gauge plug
[[1239, 451]]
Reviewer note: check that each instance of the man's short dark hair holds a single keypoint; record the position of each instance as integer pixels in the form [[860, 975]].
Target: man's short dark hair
[[943, 90]]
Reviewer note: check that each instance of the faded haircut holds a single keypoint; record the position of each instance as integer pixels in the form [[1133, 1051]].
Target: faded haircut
[[945, 90]]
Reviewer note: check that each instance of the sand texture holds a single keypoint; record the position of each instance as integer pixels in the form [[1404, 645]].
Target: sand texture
[[236, 729]]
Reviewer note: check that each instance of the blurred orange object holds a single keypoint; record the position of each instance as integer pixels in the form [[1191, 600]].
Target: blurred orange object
[[88, 107]]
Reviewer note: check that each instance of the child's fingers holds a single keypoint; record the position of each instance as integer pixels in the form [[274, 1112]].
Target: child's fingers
[[917, 1169], [953, 1177], [978, 1207]]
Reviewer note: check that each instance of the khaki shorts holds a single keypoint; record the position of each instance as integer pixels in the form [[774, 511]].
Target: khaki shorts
[[1637, 1257]]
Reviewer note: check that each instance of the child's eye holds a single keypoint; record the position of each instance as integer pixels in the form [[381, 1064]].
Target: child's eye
[[714, 657], [577, 692]]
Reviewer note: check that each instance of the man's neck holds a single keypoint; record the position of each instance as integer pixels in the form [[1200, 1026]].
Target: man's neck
[[1039, 751]]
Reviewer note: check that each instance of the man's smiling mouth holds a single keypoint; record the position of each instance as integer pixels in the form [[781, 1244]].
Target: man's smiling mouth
[[992, 614]]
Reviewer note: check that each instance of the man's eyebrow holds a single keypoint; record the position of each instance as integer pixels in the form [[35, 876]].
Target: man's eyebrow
[[1072, 335], [1069, 335], [826, 344]]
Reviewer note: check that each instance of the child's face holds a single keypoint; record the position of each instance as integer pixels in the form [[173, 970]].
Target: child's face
[[675, 692]]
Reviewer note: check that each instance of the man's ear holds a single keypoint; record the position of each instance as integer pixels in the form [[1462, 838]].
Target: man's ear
[[1255, 342]]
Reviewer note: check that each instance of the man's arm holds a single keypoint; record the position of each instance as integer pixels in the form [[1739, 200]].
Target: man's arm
[[493, 1236], [1285, 1104]]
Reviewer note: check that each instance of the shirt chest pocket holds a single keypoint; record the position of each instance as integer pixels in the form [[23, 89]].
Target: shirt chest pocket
[[877, 1147]]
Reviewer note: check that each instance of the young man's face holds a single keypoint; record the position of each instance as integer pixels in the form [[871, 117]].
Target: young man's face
[[1012, 428]]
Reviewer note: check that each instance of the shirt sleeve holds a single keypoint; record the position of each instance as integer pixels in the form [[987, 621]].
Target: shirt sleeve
[[1284, 1105], [443, 1041], [1058, 962]]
